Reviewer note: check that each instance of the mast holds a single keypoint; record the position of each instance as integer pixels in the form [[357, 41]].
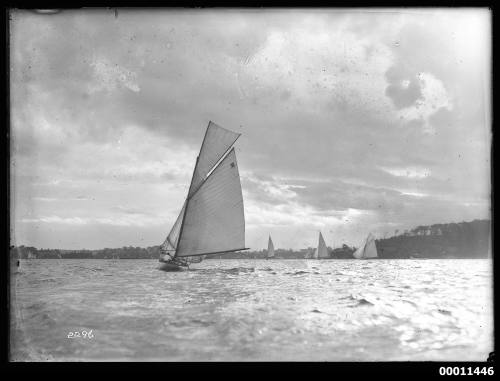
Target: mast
[[187, 201], [189, 190]]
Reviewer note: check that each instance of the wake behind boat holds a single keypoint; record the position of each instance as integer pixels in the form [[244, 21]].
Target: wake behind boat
[[212, 218]]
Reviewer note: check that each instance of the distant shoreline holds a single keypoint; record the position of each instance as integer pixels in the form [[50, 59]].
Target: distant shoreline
[[467, 240]]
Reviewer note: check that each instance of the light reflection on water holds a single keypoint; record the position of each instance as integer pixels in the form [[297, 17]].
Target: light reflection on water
[[253, 310]]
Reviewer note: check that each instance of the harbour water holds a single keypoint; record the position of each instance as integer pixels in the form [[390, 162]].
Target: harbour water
[[252, 310]]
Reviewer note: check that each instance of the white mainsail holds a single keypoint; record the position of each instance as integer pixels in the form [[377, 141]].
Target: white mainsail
[[368, 250], [270, 248], [212, 217], [214, 220]]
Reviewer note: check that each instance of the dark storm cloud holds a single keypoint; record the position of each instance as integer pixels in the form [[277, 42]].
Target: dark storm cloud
[[403, 94], [179, 52]]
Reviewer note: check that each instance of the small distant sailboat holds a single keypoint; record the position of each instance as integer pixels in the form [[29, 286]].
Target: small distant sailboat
[[270, 248], [212, 218], [367, 250], [321, 251]]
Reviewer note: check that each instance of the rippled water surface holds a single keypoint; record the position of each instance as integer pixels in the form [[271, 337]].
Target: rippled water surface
[[253, 310]]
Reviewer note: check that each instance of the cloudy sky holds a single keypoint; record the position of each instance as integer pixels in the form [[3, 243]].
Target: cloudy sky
[[352, 121]]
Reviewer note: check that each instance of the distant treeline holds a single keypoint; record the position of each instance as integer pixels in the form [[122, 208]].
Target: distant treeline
[[453, 240], [338, 253]]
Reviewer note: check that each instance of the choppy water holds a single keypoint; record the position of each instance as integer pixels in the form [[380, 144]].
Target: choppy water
[[253, 310]]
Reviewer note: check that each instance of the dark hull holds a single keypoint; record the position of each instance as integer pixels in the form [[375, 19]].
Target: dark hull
[[169, 267]]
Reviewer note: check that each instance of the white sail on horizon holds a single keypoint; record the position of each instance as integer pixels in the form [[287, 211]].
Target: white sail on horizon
[[212, 217], [367, 250], [322, 249], [270, 248]]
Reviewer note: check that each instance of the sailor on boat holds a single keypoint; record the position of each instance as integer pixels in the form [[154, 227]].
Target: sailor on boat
[[170, 263]]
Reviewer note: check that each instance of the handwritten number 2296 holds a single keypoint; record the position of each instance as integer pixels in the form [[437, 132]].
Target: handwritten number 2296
[[84, 334]]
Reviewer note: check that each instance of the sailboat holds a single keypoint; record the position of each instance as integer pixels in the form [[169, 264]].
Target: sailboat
[[212, 217], [270, 248], [367, 250], [321, 251]]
